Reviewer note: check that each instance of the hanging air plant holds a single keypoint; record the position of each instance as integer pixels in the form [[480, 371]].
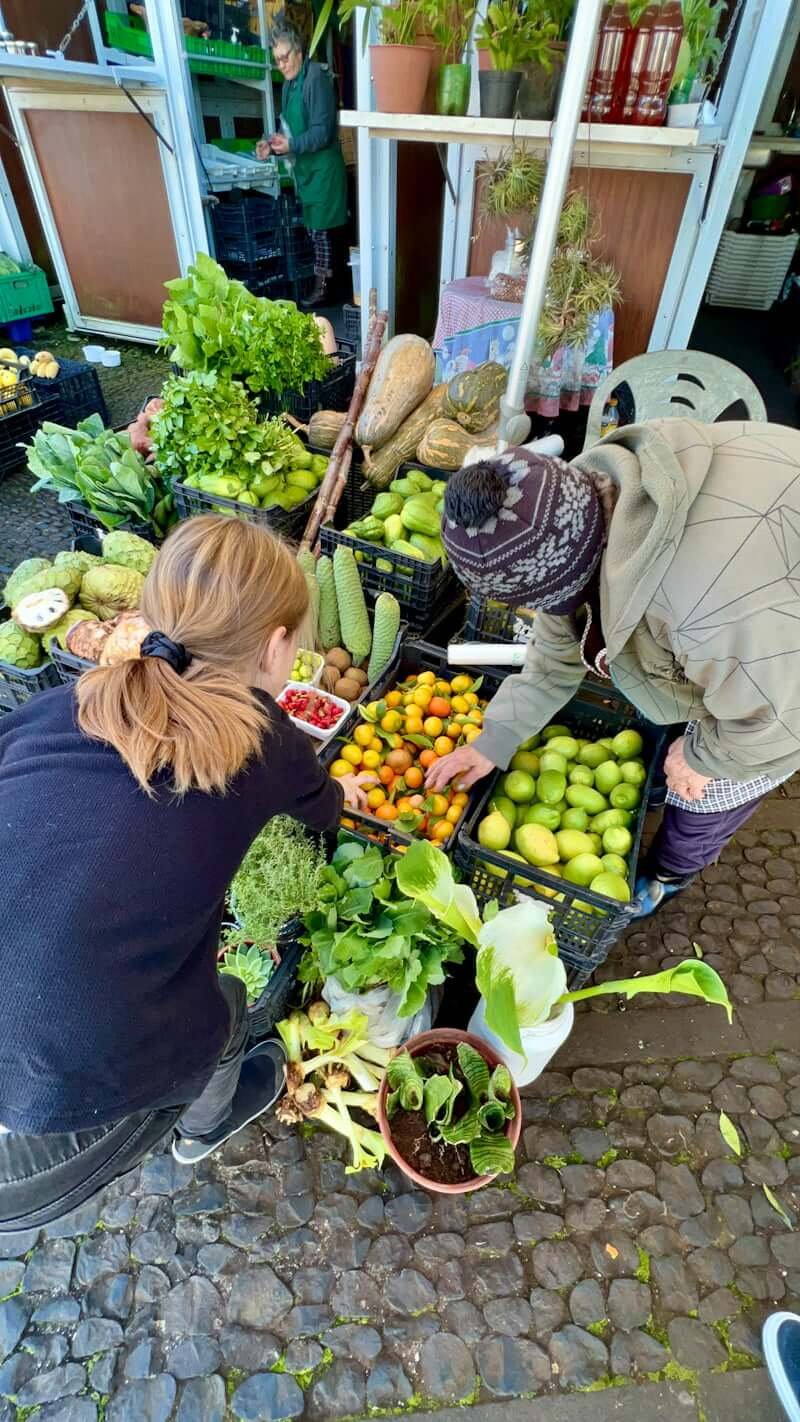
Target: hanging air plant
[[512, 184]]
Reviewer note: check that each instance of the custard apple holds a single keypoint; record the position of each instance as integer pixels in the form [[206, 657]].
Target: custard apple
[[21, 573], [67, 579], [18, 648], [110, 589], [127, 550], [81, 562], [38, 612], [75, 614]]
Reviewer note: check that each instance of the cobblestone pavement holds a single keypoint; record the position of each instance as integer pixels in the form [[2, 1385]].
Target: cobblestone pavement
[[39, 526], [631, 1247]]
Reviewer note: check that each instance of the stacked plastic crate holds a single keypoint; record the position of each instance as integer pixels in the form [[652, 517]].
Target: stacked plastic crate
[[261, 241]]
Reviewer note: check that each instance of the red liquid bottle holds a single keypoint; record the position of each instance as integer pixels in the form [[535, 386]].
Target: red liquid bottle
[[640, 42], [659, 65], [608, 77]]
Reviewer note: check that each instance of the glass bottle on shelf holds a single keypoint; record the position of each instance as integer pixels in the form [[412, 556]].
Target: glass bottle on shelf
[[659, 64], [614, 41]]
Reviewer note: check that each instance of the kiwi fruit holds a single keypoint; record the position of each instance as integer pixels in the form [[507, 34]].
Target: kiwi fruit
[[339, 658], [347, 688]]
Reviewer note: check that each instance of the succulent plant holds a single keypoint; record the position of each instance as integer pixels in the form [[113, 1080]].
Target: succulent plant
[[250, 965]]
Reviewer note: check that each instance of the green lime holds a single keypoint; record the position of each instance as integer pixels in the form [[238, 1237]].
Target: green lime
[[575, 819], [551, 787], [613, 886], [550, 731], [581, 775], [617, 840], [608, 818], [625, 797], [531, 743], [571, 843], [526, 760], [615, 864], [506, 807], [633, 772], [593, 755], [552, 760], [540, 815], [583, 797], [537, 845], [519, 786], [564, 745], [607, 776], [627, 745], [583, 869]]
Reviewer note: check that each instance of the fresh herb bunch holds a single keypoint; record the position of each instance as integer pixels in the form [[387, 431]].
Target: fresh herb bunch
[[368, 933], [214, 323], [279, 879], [416, 1084], [209, 428], [98, 468]]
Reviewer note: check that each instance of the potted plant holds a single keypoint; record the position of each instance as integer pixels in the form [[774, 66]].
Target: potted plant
[[400, 65], [525, 1012], [449, 24], [699, 58], [546, 29], [374, 949], [504, 34], [449, 1113]]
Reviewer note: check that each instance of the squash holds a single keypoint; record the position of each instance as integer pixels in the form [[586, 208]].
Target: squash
[[445, 445], [324, 428], [381, 468], [402, 378], [473, 397], [327, 335]]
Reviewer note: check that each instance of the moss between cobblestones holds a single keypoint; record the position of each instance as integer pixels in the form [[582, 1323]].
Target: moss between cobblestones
[[234, 1378], [22, 1414], [599, 1328], [600, 1384], [675, 1372], [736, 1361], [607, 1159], [17, 1290], [557, 1162], [642, 1273]]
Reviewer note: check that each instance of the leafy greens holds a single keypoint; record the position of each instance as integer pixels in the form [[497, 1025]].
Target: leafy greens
[[98, 468]]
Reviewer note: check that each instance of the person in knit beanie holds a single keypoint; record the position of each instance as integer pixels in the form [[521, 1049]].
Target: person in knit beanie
[[664, 559]]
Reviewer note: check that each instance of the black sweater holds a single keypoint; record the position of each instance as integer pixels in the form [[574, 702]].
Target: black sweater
[[110, 905]]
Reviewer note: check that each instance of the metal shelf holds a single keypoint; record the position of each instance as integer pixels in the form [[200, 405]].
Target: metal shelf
[[434, 128]]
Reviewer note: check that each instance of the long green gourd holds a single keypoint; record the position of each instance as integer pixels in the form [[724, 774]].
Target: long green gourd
[[329, 631], [384, 634], [353, 615]]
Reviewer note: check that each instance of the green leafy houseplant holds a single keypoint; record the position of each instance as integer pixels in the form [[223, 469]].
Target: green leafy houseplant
[[518, 972], [214, 323], [700, 22], [509, 36], [397, 24], [440, 1090], [450, 24], [367, 933]]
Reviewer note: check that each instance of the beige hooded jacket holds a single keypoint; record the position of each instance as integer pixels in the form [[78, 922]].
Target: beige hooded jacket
[[699, 594]]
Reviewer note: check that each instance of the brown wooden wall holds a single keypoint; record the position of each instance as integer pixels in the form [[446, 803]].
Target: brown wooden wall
[[638, 215], [46, 22]]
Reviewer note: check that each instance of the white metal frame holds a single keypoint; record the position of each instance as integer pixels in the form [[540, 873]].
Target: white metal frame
[[377, 204], [107, 100], [12, 234]]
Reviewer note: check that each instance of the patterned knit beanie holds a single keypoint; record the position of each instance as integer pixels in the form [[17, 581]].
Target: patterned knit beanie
[[524, 528]]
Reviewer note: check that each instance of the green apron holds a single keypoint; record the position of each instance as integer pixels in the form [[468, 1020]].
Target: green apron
[[321, 177]]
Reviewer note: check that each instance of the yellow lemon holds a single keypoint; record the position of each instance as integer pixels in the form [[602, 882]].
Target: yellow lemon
[[371, 759], [363, 735], [341, 767], [352, 754]]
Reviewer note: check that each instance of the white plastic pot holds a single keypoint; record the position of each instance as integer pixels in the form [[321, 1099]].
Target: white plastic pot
[[94, 354], [540, 1043], [111, 358]]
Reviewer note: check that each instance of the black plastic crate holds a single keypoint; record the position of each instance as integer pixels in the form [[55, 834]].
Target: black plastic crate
[[77, 387], [18, 686], [290, 523], [276, 998], [84, 523], [414, 656], [333, 392], [298, 253], [291, 209], [421, 588], [284, 288], [250, 235], [259, 277], [584, 938], [19, 428], [489, 621], [352, 326], [447, 622]]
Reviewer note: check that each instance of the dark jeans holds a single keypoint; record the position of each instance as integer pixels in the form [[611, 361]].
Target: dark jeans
[[45, 1177], [686, 842]]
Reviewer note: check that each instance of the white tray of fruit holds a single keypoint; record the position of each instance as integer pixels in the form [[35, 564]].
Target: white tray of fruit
[[308, 667], [317, 712]]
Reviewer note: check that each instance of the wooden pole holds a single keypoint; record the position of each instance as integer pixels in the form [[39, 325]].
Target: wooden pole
[[336, 475]]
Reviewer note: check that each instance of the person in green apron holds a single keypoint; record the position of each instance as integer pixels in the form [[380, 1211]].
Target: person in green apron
[[310, 137]]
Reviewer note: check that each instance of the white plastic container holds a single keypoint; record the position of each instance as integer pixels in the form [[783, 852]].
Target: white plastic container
[[112, 358], [318, 664], [355, 267], [540, 1043], [319, 735], [94, 354]]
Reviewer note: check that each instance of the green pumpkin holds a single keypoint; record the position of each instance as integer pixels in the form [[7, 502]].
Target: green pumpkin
[[472, 399]]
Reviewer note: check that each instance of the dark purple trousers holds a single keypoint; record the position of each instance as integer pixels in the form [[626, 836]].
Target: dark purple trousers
[[686, 842]]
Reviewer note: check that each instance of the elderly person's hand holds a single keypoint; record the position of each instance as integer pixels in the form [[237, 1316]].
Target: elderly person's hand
[[354, 794], [279, 143], [463, 767], [681, 779]]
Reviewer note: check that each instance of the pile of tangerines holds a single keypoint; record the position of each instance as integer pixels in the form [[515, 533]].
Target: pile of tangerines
[[400, 737]]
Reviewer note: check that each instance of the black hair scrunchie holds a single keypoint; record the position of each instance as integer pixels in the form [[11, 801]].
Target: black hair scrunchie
[[158, 644]]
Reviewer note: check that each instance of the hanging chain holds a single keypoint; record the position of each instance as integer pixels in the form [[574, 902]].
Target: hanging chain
[[76, 24], [729, 33]]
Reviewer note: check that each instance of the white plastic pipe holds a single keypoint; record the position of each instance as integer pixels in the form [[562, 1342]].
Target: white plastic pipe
[[514, 423]]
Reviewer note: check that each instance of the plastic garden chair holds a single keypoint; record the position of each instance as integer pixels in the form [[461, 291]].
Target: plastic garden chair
[[662, 383]]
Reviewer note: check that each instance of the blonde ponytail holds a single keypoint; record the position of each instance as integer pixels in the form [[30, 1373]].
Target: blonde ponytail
[[221, 588]]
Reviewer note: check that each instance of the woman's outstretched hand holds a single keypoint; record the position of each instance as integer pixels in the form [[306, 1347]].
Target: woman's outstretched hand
[[463, 767], [681, 779], [354, 794]]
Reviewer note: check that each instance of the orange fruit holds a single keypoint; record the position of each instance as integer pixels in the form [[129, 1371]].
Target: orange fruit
[[413, 728], [475, 717], [471, 734], [442, 831], [426, 678], [422, 697], [363, 735], [375, 744], [470, 698], [341, 767], [371, 760], [460, 798], [386, 775], [376, 798], [352, 754], [454, 814], [461, 683], [392, 699], [439, 707], [442, 688], [414, 777], [459, 705], [347, 823], [392, 721], [438, 804], [404, 805], [386, 812], [443, 745], [432, 726], [426, 760]]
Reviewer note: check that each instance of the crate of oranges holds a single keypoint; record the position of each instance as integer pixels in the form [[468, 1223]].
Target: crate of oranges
[[420, 711]]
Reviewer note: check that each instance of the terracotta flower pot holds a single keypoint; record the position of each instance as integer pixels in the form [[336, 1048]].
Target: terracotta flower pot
[[418, 1046], [400, 76]]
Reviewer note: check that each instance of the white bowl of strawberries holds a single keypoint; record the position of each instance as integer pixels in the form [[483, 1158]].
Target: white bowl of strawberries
[[318, 713]]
